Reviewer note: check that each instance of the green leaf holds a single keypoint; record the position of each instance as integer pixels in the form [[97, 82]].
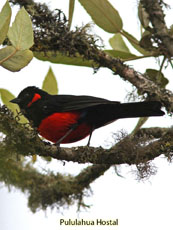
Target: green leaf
[[14, 60], [62, 59], [118, 43], [103, 14], [70, 12], [158, 77], [143, 16], [120, 54], [21, 33], [135, 43], [50, 83], [5, 17], [78, 60], [6, 97]]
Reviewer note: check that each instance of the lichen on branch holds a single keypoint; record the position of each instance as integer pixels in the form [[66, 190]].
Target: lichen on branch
[[161, 34], [56, 36], [57, 190]]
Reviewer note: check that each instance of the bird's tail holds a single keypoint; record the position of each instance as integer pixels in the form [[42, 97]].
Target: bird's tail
[[140, 109]]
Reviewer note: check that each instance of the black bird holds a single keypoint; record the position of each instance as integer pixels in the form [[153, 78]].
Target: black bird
[[69, 118]]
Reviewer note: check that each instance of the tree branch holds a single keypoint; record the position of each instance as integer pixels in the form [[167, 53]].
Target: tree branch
[[162, 36], [129, 150], [57, 190], [140, 81], [56, 36], [44, 190]]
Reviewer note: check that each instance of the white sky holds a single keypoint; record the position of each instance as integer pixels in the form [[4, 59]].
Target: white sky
[[137, 205]]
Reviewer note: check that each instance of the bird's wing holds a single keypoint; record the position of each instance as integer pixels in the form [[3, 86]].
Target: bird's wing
[[64, 103]]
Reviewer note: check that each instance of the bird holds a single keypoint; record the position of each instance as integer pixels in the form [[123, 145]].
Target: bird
[[64, 119]]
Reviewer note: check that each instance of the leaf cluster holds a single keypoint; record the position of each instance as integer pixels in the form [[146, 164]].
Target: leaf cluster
[[17, 55]]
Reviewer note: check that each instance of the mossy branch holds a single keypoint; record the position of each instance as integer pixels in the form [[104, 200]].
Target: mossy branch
[[48, 190], [57, 190], [44, 190], [128, 150], [162, 35], [56, 36]]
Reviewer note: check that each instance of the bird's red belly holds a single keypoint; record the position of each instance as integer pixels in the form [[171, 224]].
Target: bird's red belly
[[57, 125]]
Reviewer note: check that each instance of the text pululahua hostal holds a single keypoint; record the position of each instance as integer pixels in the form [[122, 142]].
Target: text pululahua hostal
[[97, 222]]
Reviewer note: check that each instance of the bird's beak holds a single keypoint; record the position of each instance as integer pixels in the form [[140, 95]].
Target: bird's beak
[[15, 101]]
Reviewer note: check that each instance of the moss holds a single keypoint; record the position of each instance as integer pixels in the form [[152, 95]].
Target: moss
[[43, 190], [52, 33]]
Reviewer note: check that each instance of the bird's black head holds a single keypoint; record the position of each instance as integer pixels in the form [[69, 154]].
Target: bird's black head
[[28, 96]]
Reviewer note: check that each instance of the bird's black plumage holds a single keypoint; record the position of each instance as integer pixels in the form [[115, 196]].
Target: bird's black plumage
[[96, 112]]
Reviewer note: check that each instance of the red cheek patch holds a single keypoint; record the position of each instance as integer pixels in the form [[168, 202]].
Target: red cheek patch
[[35, 98]]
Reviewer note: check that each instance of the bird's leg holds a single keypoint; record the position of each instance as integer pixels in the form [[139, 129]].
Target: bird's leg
[[73, 127], [92, 129]]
